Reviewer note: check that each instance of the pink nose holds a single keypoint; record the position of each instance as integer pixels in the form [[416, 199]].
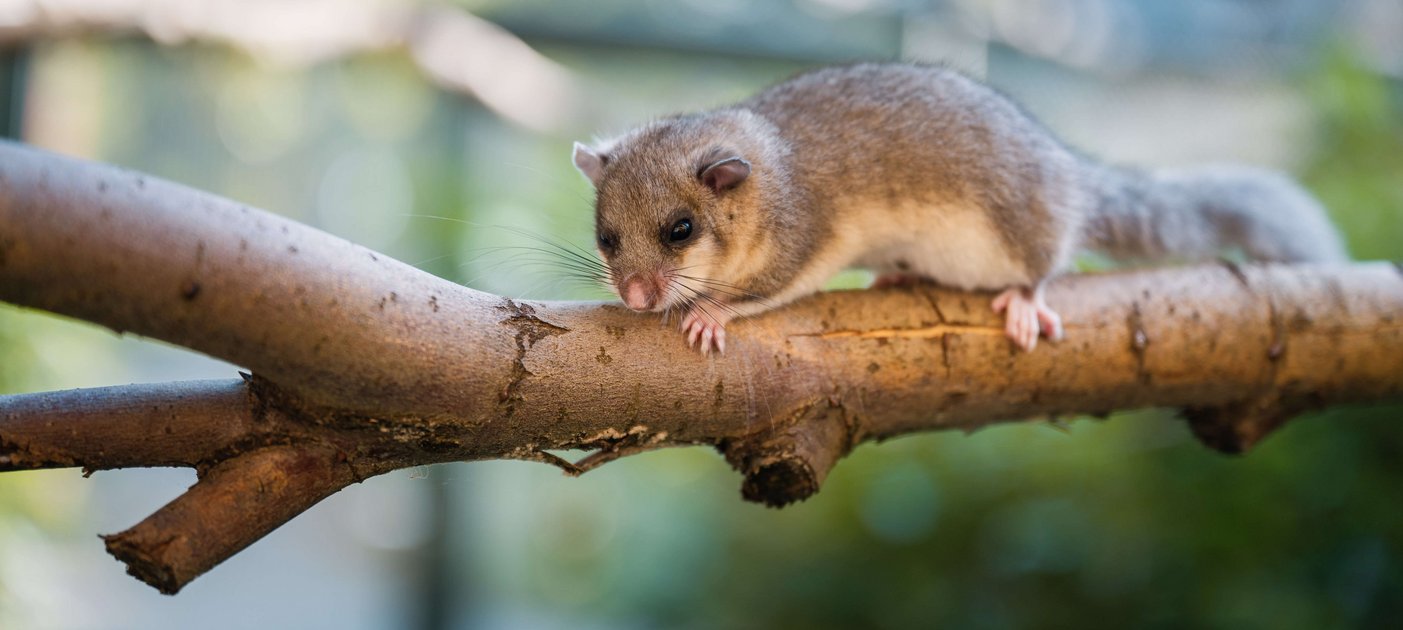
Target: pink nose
[[638, 293]]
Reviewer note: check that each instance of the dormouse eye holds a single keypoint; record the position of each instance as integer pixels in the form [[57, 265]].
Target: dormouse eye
[[681, 231], [607, 241]]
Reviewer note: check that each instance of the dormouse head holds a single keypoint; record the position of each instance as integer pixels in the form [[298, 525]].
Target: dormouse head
[[666, 206]]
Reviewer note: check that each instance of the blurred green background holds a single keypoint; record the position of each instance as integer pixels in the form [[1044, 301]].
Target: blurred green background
[[1125, 522]]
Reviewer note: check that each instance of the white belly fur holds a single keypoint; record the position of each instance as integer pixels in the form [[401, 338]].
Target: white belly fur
[[954, 246]]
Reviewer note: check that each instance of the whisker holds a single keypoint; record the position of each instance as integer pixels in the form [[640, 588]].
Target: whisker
[[420, 264], [567, 248], [704, 295], [556, 255], [549, 259], [573, 265], [729, 289], [565, 256], [706, 313], [412, 215], [555, 265], [727, 308], [575, 276]]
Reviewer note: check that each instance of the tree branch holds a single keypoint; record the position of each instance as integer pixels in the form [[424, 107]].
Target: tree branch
[[171, 424], [233, 504], [363, 364]]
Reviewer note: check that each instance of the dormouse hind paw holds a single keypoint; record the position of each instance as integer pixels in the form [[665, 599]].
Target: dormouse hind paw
[[1027, 317]]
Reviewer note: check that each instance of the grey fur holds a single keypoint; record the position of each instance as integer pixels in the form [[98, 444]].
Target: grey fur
[[1199, 212], [900, 132], [901, 141]]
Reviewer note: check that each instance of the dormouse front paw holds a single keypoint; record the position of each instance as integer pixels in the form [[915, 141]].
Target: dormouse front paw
[[705, 331]]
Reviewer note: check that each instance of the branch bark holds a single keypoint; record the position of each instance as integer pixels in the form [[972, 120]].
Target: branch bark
[[362, 364]]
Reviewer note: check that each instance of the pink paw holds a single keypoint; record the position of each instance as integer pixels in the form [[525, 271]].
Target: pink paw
[[1027, 317], [704, 331]]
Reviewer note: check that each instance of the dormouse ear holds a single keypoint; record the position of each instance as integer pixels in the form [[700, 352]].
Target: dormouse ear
[[590, 162], [724, 175]]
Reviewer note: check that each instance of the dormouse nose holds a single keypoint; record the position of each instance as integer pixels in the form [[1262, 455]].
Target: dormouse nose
[[639, 291]]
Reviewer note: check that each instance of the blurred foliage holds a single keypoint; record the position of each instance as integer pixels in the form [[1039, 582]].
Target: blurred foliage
[[1357, 164], [1016, 526]]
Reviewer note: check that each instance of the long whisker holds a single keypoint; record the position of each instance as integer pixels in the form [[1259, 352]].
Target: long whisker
[[731, 310], [728, 289], [578, 266], [705, 312], [568, 248], [566, 272], [677, 279], [591, 268], [558, 265], [702, 295], [566, 256], [551, 252], [696, 295], [684, 300], [571, 277]]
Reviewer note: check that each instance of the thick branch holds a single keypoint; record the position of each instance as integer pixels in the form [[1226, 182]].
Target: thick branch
[[364, 364]]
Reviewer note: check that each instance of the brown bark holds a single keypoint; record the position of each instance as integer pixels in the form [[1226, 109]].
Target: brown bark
[[363, 364]]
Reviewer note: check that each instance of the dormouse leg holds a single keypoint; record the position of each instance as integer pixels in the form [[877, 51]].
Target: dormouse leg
[[1027, 316]]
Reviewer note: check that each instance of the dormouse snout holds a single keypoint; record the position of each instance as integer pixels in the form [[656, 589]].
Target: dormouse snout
[[641, 291]]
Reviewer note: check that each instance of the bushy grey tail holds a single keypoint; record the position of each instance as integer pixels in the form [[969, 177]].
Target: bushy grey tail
[[1202, 212]]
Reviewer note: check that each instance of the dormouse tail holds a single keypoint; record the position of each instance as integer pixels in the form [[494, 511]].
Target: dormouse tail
[[1200, 212]]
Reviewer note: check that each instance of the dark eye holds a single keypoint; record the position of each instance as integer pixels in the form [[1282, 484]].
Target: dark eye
[[607, 241], [680, 231]]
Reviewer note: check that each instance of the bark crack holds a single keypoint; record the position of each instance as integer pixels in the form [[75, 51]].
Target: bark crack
[[924, 332], [529, 329], [935, 306]]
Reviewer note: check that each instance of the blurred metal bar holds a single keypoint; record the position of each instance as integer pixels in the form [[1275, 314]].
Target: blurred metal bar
[[14, 68], [758, 30]]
